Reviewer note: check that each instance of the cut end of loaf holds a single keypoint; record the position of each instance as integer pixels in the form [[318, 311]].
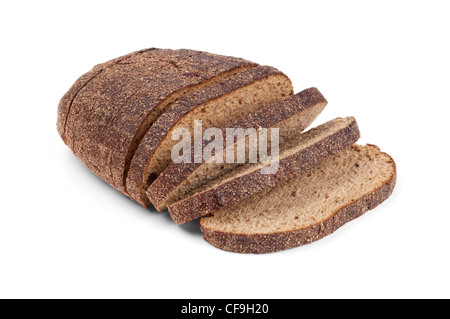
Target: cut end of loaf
[[306, 208]]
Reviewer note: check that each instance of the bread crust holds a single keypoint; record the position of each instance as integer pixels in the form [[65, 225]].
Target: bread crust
[[235, 190], [67, 100], [175, 174], [164, 124], [267, 243]]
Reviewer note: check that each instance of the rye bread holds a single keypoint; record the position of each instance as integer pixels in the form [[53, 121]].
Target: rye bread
[[299, 153], [216, 105], [306, 208], [112, 112], [291, 116]]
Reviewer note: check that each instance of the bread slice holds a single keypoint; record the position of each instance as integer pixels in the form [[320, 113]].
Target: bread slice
[[290, 116], [112, 112], [306, 208], [299, 153], [215, 105]]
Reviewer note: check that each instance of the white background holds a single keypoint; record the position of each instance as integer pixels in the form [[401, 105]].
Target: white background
[[66, 234]]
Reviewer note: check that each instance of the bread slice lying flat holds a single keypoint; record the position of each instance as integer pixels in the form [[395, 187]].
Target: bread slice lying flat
[[290, 116], [306, 208], [215, 105], [299, 153]]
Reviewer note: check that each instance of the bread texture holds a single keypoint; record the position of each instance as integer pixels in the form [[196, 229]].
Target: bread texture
[[291, 116], [215, 105], [112, 107], [306, 208], [299, 153]]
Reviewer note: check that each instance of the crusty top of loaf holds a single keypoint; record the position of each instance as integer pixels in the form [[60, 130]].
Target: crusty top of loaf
[[80, 83]]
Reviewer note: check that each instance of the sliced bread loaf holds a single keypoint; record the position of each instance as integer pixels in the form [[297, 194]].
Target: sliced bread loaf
[[111, 113], [299, 153], [291, 116], [306, 208], [215, 105]]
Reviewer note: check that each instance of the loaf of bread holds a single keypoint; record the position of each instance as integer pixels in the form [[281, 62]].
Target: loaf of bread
[[119, 119], [108, 111]]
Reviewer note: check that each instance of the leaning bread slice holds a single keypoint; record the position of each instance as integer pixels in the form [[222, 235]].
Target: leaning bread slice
[[290, 116], [306, 208], [298, 154], [215, 105]]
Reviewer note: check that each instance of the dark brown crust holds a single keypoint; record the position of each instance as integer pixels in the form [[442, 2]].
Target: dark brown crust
[[267, 243], [66, 101], [269, 117], [235, 190], [163, 125], [108, 113]]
